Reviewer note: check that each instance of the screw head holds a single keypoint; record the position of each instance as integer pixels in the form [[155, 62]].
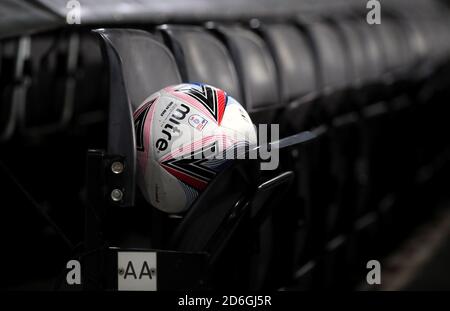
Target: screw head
[[117, 167], [121, 271], [116, 195], [254, 23]]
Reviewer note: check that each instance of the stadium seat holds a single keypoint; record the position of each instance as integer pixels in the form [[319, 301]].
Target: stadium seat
[[130, 84], [338, 83], [373, 71], [90, 98], [258, 93], [257, 73], [334, 67], [297, 73], [52, 63], [15, 62], [337, 68], [202, 58], [384, 162], [8, 59]]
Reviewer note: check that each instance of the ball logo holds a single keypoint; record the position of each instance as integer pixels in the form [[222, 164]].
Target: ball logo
[[197, 122], [171, 127]]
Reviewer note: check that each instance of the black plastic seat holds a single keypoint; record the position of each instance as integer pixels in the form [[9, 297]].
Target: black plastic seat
[[202, 58], [14, 83], [257, 73], [134, 75], [90, 98], [339, 59], [433, 94], [384, 66], [402, 50], [131, 82], [360, 74], [298, 80], [8, 59], [384, 163], [437, 37], [297, 72], [329, 75], [337, 81], [371, 74], [373, 100], [333, 61], [417, 42], [48, 105], [344, 136], [395, 49]]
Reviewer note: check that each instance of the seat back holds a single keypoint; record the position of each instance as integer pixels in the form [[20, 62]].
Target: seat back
[[256, 70], [8, 56], [394, 48], [333, 62], [297, 71], [16, 68], [89, 98], [48, 105], [135, 73], [375, 62], [335, 68], [359, 52], [294, 59], [202, 58]]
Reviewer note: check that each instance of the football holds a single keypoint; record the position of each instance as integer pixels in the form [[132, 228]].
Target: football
[[185, 135]]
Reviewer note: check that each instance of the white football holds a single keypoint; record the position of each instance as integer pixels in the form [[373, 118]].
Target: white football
[[185, 135]]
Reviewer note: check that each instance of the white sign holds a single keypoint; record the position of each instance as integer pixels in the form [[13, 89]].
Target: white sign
[[137, 271]]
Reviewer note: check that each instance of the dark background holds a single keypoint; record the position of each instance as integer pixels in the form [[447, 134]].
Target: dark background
[[54, 107]]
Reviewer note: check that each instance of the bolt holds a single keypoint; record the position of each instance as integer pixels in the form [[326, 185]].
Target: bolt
[[116, 195], [117, 167], [121, 271], [254, 23]]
